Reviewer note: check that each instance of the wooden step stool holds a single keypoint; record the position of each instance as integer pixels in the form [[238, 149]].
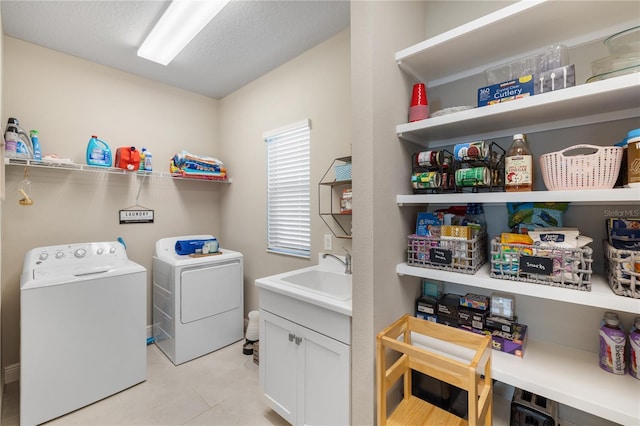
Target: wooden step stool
[[451, 355]]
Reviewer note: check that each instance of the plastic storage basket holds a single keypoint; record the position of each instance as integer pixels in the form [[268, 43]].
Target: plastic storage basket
[[598, 170], [568, 268], [465, 256], [623, 271]]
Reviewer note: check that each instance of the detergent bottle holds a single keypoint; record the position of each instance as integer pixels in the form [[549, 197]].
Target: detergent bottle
[[148, 160], [11, 140], [98, 152], [35, 141], [24, 149]]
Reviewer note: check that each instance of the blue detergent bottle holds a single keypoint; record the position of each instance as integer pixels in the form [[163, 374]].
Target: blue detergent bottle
[[98, 153]]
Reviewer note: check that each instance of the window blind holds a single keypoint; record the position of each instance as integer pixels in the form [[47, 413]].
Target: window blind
[[288, 190]]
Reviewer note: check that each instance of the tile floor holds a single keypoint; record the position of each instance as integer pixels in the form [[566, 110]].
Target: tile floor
[[220, 388]]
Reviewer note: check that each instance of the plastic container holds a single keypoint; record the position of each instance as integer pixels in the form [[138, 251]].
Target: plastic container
[[147, 162], [35, 142], [633, 158], [98, 153], [11, 140], [634, 348], [142, 155], [624, 42], [612, 344], [553, 57], [24, 148]]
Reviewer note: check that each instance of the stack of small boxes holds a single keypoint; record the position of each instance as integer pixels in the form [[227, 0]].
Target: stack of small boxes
[[475, 313]]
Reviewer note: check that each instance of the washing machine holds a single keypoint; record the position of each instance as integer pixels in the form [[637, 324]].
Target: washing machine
[[197, 300], [83, 315]]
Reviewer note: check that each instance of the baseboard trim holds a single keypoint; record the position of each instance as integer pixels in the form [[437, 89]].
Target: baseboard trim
[[12, 373]]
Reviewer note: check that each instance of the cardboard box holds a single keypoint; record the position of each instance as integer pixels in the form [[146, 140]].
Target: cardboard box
[[506, 91], [426, 221], [474, 318], [427, 305], [511, 343], [451, 322], [448, 306], [428, 317], [501, 324], [475, 301]]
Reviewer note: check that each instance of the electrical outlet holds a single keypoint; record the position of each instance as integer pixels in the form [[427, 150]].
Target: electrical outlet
[[328, 242]]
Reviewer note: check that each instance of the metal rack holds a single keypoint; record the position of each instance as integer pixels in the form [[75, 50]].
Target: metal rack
[[329, 201]]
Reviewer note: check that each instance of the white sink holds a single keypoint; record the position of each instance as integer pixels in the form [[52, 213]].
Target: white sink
[[324, 285], [328, 283]]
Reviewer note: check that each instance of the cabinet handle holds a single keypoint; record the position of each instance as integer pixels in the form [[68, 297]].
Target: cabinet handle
[[291, 337], [298, 340]]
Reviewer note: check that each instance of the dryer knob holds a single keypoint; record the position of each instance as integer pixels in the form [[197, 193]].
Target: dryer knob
[[100, 251], [80, 253], [43, 256], [59, 254]]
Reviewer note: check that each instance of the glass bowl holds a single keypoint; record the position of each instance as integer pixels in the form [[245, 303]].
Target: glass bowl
[[625, 42]]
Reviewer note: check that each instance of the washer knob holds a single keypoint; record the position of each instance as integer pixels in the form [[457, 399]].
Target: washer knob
[[112, 250], [59, 254], [80, 253], [100, 250], [43, 256]]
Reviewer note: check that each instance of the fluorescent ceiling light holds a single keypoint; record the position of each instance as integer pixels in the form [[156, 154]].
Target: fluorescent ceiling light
[[179, 24]]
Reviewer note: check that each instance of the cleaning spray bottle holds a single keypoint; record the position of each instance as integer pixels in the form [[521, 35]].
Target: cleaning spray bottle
[[98, 153]]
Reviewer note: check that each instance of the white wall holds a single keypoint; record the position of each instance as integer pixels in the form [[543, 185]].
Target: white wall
[[381, 166], [68, 99], [314, 85], [1, 202]]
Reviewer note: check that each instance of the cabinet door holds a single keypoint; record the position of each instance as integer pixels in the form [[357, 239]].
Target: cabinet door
[[278, 359], [324, 385]]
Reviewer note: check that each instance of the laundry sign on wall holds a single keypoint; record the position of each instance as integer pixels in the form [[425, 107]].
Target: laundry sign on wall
[[136, 216]]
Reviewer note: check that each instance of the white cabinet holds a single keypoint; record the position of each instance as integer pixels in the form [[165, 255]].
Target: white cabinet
[[565, 373], [304, 374]]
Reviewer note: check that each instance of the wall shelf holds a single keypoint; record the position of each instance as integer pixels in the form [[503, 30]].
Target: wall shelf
[[565, 374], [590, 197], [597, 102], [329, 201], [98, 169]]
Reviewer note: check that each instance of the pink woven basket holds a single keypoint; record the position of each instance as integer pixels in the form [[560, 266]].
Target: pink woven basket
[[598, 170]]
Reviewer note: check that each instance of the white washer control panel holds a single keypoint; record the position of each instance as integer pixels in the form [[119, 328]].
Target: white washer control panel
[[81, 255]]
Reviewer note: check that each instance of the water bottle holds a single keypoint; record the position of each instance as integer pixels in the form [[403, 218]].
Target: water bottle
[[35, 141]]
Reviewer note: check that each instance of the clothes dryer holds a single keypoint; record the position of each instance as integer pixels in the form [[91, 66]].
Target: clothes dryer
[[197, 300], [83, 327]]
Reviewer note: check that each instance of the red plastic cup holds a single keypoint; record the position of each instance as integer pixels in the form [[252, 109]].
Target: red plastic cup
[[419, 109]]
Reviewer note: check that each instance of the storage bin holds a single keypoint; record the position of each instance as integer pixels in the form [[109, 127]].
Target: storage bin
[[623, 270], [598, 170], [465, 256], [451, 355], [560, 267], [343, 171]]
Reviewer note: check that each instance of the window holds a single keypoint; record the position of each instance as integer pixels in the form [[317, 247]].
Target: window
[[288, 197]]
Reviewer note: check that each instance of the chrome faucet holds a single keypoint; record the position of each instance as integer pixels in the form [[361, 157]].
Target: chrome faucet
[[346, 262]]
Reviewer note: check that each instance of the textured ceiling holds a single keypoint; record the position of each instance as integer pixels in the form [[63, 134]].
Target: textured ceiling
[[245, 41]]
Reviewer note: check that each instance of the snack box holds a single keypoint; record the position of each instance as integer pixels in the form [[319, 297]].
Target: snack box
[[431, 289], [426, 221], [511, 343], [422, 315], [451, 322], [475, 301], [427, 305], [501, 324], [506, 91], [472, 317], [448, 306]]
